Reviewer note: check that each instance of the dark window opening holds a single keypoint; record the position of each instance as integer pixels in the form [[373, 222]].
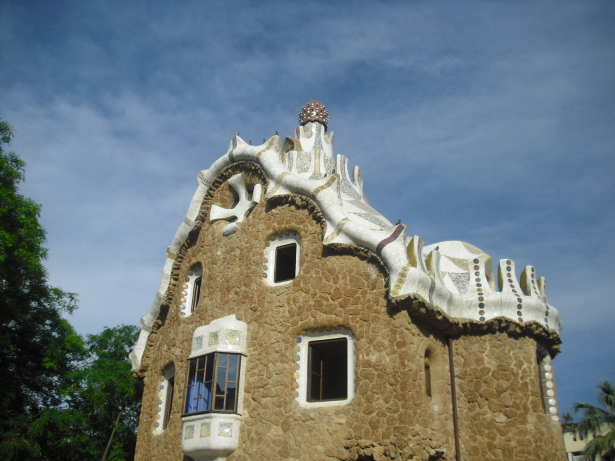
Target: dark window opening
[[328, 370], [169, 402], [427, 380], [213, 382], [196, 293], [541, 382], [285, 262]]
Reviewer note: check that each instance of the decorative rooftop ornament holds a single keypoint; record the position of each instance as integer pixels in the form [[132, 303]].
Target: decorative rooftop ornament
[[314, 111], [454, 278]]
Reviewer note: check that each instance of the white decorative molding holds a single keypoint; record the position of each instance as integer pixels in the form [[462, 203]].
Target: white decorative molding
[[547, 385], [307, 166], [210, 436], [239, 212], [161, 397], [226, 334]]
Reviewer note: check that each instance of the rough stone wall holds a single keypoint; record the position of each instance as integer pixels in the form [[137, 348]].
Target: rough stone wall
[[391, 417], [500, 407]]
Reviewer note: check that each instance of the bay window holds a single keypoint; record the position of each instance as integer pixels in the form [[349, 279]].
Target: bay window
[[213, 382]]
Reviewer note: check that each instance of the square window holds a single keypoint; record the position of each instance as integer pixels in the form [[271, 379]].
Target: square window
[[285, 262], [326, 364], [328, 370]]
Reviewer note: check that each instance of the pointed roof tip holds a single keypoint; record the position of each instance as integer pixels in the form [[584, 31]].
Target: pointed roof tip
[[314, 111]]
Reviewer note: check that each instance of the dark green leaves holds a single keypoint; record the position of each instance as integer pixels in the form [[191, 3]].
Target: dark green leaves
[[600, 422], [62, 397]]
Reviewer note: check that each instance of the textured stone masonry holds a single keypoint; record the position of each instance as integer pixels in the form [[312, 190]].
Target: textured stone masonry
[[391, 417]]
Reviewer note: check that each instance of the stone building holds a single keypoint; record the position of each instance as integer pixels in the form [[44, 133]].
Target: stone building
[[295, 322]]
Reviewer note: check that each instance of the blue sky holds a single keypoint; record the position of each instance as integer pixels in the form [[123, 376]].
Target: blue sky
[[490, 122]]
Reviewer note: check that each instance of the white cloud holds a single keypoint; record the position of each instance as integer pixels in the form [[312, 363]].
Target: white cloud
[[480, 121]]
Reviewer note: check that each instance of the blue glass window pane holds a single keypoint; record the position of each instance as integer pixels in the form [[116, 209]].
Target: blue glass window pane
[[232, 367], [202, 393]]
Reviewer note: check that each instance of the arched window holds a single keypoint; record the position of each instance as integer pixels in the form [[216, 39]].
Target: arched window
[[427, 376], [196, 294], [435, 376], [166, 391], [191, 290]]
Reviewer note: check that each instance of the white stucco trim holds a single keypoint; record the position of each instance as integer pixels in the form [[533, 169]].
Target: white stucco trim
[[312, 169], [302, 360], [162, 396], [269, 260]]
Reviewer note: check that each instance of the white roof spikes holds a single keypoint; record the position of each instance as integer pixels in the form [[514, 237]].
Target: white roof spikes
[[454, 276]]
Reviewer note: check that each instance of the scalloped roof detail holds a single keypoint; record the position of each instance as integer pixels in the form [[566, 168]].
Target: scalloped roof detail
[[454, 276]]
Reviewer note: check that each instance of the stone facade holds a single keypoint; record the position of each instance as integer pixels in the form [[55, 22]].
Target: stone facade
[[399, 344]]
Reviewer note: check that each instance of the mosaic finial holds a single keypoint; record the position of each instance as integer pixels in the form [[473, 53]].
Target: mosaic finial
[[314, 111]]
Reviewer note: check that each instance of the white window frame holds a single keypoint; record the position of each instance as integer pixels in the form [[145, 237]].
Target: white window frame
[[162, 396], [302, 366], [185, 309], [215, 435], [270, 262]]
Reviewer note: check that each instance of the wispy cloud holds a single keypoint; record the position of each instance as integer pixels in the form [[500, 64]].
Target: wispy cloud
[[489, 122]]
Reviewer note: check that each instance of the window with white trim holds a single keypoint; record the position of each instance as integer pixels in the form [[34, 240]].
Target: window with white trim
[[191, 291], [166, 390], [326, 364], [281, 258], [213, 393]]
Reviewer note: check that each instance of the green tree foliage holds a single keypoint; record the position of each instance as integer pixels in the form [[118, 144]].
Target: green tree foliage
[[599, 422], [38, 348], [107, 394], [62, 398], [99, 417]]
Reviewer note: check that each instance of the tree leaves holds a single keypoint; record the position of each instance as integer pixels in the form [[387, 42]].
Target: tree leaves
[[62, 396], [600, 422]]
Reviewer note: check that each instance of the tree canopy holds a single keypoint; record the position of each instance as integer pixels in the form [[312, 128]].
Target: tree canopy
[[62, 397], [599, 422], [38, 347]]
